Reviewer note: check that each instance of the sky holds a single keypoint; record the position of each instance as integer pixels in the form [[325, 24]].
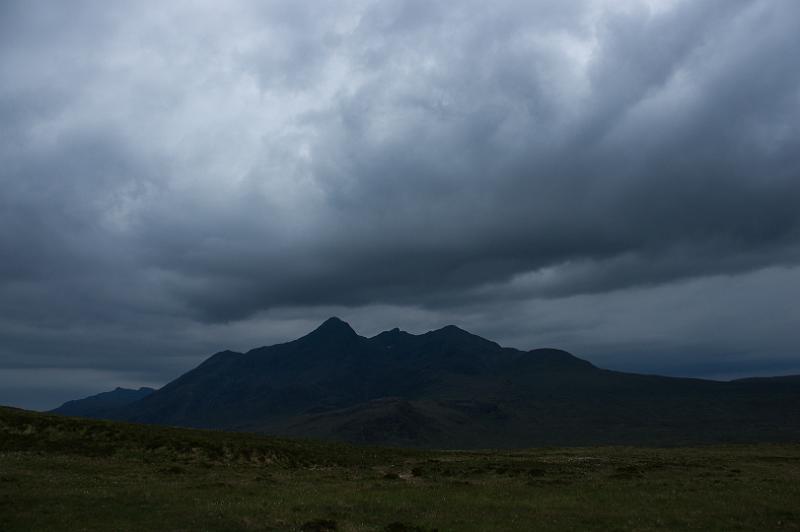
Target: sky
[[619, 178]]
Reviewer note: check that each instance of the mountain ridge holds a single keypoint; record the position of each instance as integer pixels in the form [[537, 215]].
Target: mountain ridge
[[101, 404], [451, 388]]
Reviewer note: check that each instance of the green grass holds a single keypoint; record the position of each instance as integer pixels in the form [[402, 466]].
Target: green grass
[[68, 474]]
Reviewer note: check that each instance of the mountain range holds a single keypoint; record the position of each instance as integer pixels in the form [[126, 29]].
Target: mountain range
[[449, 388]]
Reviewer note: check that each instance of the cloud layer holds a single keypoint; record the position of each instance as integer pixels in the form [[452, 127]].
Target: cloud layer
[[177, 177]]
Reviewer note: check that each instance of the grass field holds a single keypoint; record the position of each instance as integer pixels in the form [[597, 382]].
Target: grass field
[[68, 474]]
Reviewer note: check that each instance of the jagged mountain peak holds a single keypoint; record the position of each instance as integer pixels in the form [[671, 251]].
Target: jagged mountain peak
[[333, 328], [392, 338], [452, 333], [396, 332]]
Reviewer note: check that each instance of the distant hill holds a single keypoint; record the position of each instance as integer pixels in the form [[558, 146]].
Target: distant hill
[[102, 404], [452, 389]]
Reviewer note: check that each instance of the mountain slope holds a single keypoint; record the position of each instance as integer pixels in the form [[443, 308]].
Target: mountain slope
[[102, 404], [450, 388]]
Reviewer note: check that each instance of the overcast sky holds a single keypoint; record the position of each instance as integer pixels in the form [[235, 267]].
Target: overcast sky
[[617, 178]]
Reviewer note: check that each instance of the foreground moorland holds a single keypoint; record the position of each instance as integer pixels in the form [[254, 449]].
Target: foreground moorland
[[59, 473]]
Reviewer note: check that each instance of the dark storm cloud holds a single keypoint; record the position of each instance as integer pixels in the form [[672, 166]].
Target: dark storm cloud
[[462, 156], [168, 170]]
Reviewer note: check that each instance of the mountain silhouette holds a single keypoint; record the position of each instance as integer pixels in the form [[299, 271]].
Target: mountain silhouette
[[452, 389], [102, 404]]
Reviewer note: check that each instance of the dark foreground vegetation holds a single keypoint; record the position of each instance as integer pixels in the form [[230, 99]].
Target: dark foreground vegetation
[[60, 473]]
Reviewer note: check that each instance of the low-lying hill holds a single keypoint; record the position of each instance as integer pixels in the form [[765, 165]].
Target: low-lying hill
[[103, 404], [63, 473], [451, 389]]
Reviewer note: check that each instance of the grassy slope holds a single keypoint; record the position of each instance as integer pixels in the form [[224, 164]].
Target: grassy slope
[[61, 473]]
